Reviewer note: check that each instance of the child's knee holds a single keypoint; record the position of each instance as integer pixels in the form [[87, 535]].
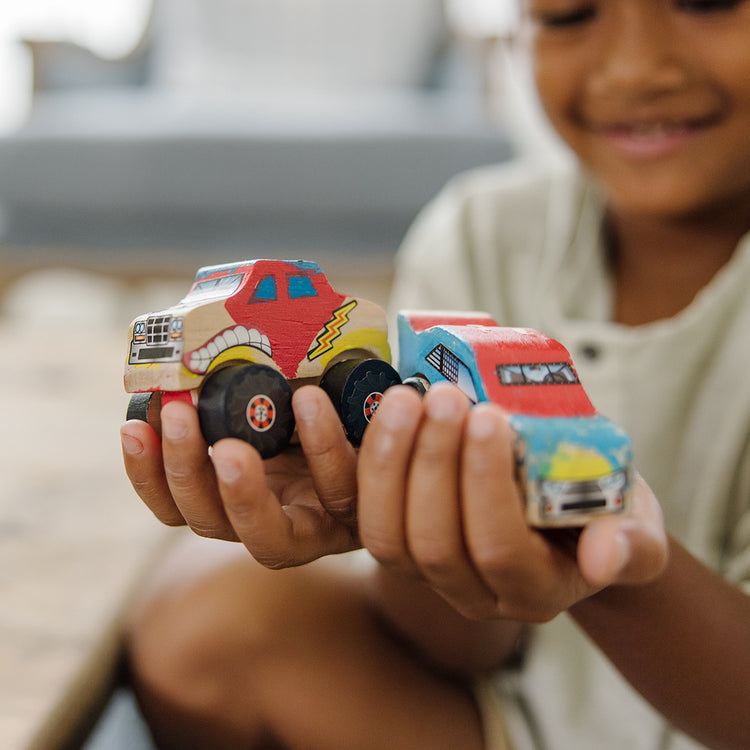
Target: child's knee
[[235, 631], [192, 646]]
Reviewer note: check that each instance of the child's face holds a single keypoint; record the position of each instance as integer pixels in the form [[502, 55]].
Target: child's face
[[653, 96]]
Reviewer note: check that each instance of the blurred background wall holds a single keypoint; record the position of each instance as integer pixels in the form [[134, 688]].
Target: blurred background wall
[[184, 130]]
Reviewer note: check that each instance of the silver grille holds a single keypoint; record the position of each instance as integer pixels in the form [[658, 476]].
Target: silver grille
[[157, 330]]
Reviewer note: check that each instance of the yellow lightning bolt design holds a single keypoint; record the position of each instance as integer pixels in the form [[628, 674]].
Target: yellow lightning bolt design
[[332, 330]]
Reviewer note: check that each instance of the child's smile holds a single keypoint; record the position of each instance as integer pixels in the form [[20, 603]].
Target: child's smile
[[650, 138]]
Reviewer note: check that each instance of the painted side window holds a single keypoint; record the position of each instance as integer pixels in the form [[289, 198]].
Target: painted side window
[[301, 286], [265, 290]]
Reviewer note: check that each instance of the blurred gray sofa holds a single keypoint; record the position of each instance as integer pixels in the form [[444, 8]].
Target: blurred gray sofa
[[264, 127]]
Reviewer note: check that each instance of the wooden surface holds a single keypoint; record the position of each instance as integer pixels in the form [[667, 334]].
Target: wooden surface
[[74, 539]]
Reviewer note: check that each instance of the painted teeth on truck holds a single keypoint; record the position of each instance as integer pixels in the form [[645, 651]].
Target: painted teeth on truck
[[201, 359]]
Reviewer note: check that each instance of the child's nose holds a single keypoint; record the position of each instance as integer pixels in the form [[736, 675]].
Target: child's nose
[[641, 56]]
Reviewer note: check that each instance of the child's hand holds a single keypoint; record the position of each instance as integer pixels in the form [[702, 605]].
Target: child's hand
[[438, 499], [288, 510]]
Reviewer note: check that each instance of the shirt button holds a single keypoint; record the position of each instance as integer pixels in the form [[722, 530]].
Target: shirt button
[[590, 352]]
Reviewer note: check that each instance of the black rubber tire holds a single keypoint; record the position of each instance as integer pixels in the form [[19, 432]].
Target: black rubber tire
[[356, 386], [250, 402], [138, 406], [146, 407], [419, 383]]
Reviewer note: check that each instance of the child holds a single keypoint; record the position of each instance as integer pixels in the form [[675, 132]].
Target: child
[[640, 264]]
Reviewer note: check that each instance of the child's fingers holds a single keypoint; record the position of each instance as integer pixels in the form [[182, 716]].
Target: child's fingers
[[141, 451], [330, 457], [255, 514], [625, 550], [382, 473], [189, 473], [489, 472], [531, 578], [278, 536], [434, 532]]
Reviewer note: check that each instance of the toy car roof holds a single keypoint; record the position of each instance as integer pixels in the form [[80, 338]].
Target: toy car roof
[[248, 265], [421, 320], [481, 332]]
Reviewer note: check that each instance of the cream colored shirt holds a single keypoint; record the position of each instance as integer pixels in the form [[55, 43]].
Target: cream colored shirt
[[528, 249]]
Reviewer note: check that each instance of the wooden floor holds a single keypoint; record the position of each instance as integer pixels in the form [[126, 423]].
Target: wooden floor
[[74, 539]]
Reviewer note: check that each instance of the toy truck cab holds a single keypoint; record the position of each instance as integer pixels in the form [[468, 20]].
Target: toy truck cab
[[244, 334], [573, 463]]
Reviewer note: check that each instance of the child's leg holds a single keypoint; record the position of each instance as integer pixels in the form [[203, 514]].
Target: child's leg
[[243, 657]]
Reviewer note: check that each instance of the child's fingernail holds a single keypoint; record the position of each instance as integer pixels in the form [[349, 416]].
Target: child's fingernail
[[481, 424], [392, 414], [173, 429], [227, 470], [306, 407], [443, 406], [131, 445]]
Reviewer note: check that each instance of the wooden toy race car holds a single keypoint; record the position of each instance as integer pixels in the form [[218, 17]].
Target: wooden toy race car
[[573, 463], [246, 334]]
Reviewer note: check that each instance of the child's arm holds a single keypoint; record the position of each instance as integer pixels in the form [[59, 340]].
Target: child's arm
[[683, 641]]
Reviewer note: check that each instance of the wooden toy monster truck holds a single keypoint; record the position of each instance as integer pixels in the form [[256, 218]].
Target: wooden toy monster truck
[[244, 336]]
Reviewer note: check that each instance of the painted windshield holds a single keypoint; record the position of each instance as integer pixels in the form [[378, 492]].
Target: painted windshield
[[218, 288]]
